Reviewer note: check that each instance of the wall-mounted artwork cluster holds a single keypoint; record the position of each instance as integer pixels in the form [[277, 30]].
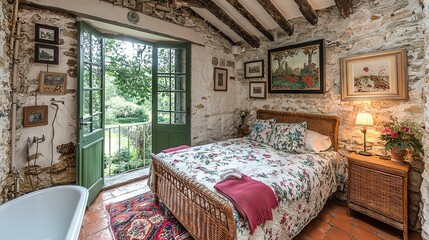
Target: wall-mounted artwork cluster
[[45, 53]]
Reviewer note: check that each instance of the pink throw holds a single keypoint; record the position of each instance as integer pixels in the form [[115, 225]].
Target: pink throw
[[252, 199], [174, 149]]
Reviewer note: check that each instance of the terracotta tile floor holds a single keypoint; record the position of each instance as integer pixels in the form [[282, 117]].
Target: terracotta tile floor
[[333, 223]]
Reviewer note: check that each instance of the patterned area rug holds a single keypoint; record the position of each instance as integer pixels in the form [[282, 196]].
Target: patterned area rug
[[139, 218]]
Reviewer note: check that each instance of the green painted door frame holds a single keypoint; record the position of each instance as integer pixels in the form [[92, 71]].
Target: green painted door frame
[[90, 151], [171, 96]]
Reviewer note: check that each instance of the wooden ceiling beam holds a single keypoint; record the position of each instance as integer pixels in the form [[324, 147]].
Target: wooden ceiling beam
[[307, 11], [190, 3], [345, 7], [249, 16], [226, 19], [285, 24]]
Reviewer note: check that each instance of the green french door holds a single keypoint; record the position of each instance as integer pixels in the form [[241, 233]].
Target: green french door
[[90, 155], [171, 96]]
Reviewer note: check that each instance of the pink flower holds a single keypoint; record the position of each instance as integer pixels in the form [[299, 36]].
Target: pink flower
[[406, 129], [386, 130], [393, 134], [366, 69]]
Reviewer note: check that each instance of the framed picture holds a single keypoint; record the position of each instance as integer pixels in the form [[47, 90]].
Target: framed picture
[[52, 83], [35, 115], [298, 68], [257, 90], [254, 69], [46, 34], [220, 79], [46, 54], [376, 76]]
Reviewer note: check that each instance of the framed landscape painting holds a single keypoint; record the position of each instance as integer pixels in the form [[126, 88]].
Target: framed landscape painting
[[46, 54], [375, 76], [52, 83], [298, 68], [254, 69]]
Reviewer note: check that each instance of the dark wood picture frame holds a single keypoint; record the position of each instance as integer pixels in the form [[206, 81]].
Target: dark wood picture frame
[[254, 69], [46, 54], [294, 70], [46, 34], [220, 79], [35, 115], [258, 89], [52, 83]]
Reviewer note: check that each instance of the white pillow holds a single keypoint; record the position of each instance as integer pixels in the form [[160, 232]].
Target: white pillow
[[317, 142]]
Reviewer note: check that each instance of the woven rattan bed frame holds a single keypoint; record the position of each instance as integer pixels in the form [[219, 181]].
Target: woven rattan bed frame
[[203, 213]]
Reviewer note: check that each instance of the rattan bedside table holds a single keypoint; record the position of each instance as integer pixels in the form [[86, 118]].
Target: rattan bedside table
[[378, 188]]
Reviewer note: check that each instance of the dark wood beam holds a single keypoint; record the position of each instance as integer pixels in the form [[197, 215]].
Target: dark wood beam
[[285, 24], [194, 14], [226, 19], [190, 3], [307, 11], [345, 7], [249, 16]]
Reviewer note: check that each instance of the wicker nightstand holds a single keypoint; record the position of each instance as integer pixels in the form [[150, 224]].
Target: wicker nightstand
[[378, 188]]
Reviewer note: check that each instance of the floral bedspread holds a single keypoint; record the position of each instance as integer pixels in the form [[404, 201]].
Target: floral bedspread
[[302, 182]]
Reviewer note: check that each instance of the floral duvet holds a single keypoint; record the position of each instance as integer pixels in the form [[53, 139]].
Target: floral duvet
[[302, 182]]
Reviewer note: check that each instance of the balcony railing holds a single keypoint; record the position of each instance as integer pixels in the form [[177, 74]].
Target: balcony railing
[[127, 147]]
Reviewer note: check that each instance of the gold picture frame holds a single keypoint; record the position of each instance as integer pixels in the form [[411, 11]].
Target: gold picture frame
[[35, 115], [375, 76], [52, 83]]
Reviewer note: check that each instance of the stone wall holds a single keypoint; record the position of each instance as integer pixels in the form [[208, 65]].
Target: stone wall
[[5, 96], [53, 165], [373, 27], [425, 185]]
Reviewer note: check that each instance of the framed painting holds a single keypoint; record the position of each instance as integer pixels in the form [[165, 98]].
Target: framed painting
[[375, 76], [46, 34], [35, 115], [51, 83], [298, 68], [258, 90], [220, 78], [254, 69], [46, 54]]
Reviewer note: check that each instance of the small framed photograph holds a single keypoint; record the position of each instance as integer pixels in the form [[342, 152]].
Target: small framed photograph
[[220, 78], [47, 34], [35, 116], [46, 54], [51, 83], [375, 76], [254, 69], [258, 90]]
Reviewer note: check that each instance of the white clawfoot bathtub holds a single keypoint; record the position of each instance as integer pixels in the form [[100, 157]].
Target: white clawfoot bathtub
[[48, 214]]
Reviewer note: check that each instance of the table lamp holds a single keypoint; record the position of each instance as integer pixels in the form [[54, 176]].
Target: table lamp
[[364, 120]]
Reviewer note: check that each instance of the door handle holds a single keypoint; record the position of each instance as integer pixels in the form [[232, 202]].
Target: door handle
[[82, 123]]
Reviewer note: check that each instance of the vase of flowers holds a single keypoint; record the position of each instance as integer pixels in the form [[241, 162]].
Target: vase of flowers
[[243, 113], [401, 137]]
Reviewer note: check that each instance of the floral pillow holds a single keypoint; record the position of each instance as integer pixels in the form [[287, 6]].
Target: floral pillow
[[290, 137], [262, 130]]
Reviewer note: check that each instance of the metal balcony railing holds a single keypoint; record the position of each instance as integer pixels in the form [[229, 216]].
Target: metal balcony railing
[[127, 147]]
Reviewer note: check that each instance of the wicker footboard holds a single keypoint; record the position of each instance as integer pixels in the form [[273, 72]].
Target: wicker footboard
[[204, 214]]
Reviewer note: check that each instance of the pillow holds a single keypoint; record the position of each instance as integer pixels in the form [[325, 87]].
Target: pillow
[[290, 137], [317, 142], [262, 130]]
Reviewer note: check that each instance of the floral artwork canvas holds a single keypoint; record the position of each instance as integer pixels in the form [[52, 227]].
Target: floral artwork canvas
[[297, 69], [377, 76]]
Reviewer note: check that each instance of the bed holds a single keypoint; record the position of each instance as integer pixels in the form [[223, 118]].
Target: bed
[[184, 181]]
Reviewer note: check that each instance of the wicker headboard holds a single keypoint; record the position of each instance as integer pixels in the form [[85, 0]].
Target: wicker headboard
[[323, 124]]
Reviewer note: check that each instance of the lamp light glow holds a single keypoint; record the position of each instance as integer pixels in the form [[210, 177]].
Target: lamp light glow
[[364, 120]]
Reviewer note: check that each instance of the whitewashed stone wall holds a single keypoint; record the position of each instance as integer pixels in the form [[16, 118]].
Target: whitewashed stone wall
[[373, 27], [62, 168], [5, 97], [425, 184]]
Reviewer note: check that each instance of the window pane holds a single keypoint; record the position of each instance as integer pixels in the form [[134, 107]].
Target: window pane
[[164, 101], [86, 103], [164, 83], [96, 76], [86, 76], [163, 117], [178, 118], [179, 103], [96, 49], [178, 60], [96, 101], [86, 47], [96, 122], [179, 83], [163, 60], [86, 127]]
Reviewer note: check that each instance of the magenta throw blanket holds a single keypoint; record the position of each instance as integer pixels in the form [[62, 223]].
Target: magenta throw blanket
[[253, 199], [173, 149]]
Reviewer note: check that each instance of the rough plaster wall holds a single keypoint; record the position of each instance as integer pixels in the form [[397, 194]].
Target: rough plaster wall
[[5, 97], [65, 123], [373, 27], [425, 184]]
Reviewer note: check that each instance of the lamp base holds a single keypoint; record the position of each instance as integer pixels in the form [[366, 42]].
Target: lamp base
[[365, 153]]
